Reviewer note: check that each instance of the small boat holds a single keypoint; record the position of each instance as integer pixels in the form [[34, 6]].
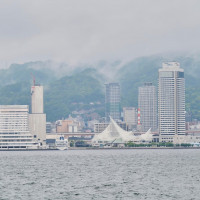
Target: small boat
[[61, 143]]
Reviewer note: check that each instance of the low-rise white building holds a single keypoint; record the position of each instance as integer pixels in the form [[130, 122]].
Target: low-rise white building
[[186, 139], [14, 128]]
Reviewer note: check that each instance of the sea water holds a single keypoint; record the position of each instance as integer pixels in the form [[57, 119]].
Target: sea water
[[100, 174]]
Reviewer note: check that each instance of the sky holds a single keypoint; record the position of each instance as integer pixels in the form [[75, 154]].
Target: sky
[[78, 31]]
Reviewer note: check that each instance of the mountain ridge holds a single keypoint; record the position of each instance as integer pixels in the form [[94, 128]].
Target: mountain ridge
[[83, 87]]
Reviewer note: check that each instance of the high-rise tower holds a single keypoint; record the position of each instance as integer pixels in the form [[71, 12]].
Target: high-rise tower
[[37, 99], [171, 101], [147, 103], [37, 118], [112, 101]]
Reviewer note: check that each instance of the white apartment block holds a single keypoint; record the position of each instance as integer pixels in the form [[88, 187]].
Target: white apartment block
[[14, 128]]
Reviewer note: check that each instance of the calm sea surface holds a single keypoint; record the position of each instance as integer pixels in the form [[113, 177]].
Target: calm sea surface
[[100, 174]]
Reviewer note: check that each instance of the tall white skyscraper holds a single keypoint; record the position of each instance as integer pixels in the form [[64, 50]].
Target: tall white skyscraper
[[37, 99], [147, 103], [37, 118], [171, 101]]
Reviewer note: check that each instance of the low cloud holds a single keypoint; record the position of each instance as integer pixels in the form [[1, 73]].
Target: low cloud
[[86, 31]]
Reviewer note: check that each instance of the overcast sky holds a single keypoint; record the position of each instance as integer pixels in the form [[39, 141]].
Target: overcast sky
[[76, 31]]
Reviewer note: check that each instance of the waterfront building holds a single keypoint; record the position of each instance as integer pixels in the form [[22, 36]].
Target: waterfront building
[[147, 104], [37, 118], [192, 139], [14, 128], [115, 134], [112, 101], [130, 117], [171, 101]]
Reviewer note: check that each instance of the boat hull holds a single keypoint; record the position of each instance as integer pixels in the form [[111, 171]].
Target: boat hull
[[61, 144]]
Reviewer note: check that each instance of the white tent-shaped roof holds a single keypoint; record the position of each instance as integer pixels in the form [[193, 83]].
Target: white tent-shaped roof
[[147, 136], [115, 132]]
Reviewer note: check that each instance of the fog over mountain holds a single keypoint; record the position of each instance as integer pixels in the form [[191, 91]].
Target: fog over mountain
[[74, 47], [68, 89], [87, 31]]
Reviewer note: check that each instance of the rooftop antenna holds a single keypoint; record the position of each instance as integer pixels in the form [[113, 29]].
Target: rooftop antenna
[[33, 79]]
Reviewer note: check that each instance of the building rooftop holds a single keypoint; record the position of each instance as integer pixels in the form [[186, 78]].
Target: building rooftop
[[14, 106], [171, 66]]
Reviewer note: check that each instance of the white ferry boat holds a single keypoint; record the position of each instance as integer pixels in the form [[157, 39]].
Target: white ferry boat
[[61, 143]]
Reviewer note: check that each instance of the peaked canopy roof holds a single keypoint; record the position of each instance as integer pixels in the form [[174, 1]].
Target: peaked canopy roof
[[114, 132]]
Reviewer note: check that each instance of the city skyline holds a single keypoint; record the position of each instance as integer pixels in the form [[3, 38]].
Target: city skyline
[[94, 97], [112, 99], [171, 113], [111, 92]]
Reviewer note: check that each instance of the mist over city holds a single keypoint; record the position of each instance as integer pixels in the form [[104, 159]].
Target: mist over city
[[99, 99]]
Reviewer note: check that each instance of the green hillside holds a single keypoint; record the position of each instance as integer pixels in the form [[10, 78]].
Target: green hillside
[[134, 74], [83, 89], [17, 93], [145, 69], [73, 93], [24, 73]]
